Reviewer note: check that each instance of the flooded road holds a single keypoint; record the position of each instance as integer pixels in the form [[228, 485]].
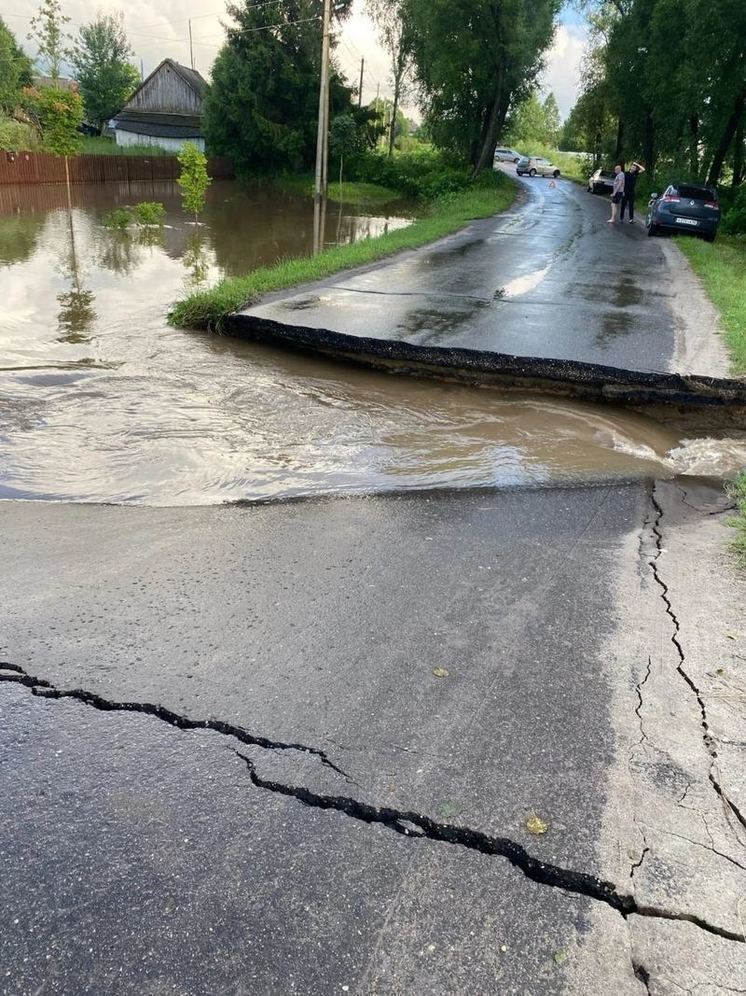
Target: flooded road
[[101, 401]]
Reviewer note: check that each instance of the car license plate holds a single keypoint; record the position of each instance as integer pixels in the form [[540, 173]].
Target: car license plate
[[687, 221]]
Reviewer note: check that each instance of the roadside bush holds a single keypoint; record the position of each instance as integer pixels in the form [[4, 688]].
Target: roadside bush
[[119, 218], [423, 174], [16, 136], [149, 213], [734, 214]]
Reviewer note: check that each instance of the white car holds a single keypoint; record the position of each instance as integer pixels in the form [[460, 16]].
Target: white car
[[536, 166], [503, 155]]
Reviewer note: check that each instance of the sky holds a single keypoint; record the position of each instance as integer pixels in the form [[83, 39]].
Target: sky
[[158, 29]]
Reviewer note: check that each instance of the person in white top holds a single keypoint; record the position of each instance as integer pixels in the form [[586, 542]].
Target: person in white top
[[617, 193]]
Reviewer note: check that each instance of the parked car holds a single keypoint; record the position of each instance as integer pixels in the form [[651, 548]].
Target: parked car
[[507, 156], [601, 182], [536, 166], [684, 207]]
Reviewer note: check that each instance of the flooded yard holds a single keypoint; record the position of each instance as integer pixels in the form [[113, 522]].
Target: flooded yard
[[100, 400]]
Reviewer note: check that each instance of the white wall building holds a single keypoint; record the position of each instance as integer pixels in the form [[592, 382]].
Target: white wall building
[[165, 110]]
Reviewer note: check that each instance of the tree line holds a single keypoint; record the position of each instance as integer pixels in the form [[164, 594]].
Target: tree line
[[665, 80]]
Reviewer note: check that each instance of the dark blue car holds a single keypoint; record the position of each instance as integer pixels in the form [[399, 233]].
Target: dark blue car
[[685, 207]]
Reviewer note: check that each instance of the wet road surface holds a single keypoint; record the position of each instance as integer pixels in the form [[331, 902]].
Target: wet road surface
[[135, 851], [548, 278]]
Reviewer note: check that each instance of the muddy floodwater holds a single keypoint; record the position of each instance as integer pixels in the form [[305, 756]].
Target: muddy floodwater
[[101, 401]]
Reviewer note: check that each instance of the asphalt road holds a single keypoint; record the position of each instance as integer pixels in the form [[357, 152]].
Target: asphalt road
[[140, 857], [548, 278]]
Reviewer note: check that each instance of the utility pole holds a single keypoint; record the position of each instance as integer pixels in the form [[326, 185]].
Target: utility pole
[[322, 135], [191, 47], [142, 70], [360, 91]]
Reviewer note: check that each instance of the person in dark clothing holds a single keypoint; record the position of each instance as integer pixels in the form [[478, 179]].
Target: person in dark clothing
[[628, 199]]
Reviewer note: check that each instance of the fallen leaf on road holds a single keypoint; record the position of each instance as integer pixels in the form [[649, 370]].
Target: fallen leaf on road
[[449, 809], [440, 672], [535, 825], [560, 956]]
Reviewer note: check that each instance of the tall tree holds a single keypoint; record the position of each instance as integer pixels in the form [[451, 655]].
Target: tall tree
[[48, 31], [552, 120], [15, 69], [262, 107], [474, 59], [105, 75], [396, 37]]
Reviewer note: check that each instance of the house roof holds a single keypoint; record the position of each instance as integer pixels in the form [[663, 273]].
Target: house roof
[[190, 76], [158, 124]]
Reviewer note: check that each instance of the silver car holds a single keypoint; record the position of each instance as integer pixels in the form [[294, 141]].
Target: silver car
[[536, 166], [504, 155]]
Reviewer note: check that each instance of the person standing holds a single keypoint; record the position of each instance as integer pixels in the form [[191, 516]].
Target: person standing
[[630, 180], [617, 193]]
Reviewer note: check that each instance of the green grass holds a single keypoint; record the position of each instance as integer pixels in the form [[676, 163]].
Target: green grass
[[97, 145], [722, 268], [207, 309], [348, 192], [737, 491], [15, 136]]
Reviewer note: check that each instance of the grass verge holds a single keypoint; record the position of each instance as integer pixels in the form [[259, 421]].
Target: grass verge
[[207, 309], [722, 269], [737, 490], [348, 192]]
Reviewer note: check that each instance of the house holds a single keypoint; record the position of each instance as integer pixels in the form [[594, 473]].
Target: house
[[165, 110]]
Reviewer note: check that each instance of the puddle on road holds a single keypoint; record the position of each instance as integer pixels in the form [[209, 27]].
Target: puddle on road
[[101, 401]]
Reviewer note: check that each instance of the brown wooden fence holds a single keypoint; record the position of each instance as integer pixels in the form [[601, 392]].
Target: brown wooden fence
[[40, 167]]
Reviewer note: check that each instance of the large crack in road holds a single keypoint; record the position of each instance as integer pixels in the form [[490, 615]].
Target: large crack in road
[[407, 823]]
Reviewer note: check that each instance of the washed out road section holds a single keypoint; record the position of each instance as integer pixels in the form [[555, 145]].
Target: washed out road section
[[550, 278]]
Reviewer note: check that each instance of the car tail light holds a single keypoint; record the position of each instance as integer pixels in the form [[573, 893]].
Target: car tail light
[[712, 204], [670, 199]]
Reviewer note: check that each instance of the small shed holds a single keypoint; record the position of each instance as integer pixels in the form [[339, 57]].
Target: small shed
[[165, 110]]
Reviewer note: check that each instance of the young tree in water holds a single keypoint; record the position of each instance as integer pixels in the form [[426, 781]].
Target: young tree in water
[[105, 75], [48, 31], [15, 69], [193, 178]]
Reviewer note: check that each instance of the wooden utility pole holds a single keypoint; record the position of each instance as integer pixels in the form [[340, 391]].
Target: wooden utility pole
[[322, 135], [191, 47], [360, 91]]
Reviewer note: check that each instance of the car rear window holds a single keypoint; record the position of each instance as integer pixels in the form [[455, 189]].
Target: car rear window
[[695, 193]]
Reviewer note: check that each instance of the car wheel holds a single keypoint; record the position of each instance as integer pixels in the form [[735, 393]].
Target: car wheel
[[515, 160], [532, 172], [710, 237], [556, 174], [652, 228]]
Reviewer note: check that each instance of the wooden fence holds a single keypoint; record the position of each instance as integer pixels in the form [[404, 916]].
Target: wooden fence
[[40, 167]]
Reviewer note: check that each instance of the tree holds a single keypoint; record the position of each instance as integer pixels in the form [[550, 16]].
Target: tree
[[474, 59], [396, 37], [105, 75], [15, 70], [58, 114], [193, 178], [552, 120], [527, 125], [262, 107], [48, 31]]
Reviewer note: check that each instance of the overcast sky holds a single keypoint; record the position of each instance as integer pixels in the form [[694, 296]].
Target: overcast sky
[[160, 28]]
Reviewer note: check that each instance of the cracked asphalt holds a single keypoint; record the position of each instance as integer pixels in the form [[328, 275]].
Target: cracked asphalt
[[229, 767]]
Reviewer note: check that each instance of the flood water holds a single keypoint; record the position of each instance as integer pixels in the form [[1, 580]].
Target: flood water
[[100, 400]]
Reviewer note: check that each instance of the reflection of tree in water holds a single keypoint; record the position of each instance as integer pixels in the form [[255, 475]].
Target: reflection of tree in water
[[18, 237], [195, 259], [121, 252], [76, 315]]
